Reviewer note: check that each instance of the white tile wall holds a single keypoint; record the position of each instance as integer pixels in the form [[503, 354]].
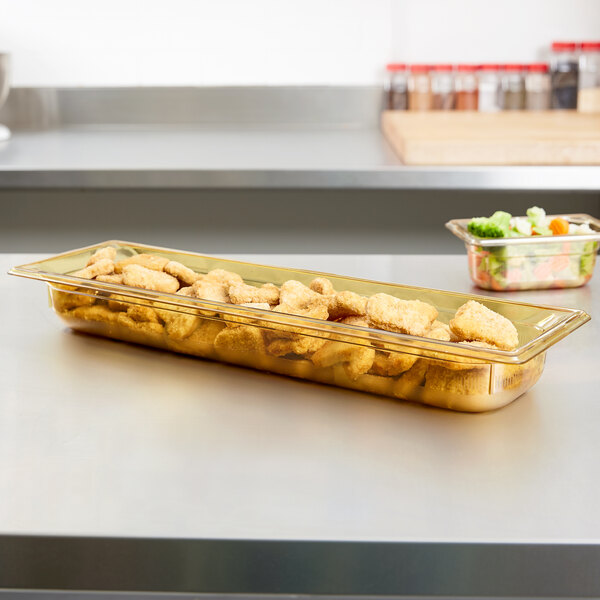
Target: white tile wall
[[270, 42]]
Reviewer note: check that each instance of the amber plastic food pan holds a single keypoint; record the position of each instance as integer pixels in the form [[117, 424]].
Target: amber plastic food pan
[[444, 374]]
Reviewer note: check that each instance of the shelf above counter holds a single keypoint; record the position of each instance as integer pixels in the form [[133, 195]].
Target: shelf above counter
[[249, 156]]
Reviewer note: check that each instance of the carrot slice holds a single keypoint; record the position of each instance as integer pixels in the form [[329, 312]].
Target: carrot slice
[[559, 226]]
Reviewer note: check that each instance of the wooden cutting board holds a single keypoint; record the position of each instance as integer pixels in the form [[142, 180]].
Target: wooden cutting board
[[504, 138]]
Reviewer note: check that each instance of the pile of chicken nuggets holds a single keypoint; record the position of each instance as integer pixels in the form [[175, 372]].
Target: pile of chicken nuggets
[[288, 348]]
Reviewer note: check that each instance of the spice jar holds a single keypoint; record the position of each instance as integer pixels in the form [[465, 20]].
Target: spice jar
[[488, 77], [512, 88], [537, 87], [442, 87], [588, 96], [564, 70], [396, 87], [419, 88], [465, 84]]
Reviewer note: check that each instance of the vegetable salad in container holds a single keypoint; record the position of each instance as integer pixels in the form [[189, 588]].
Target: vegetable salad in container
[[535, 251]]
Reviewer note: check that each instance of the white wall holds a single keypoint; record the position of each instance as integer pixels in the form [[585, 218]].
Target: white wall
[[489, 31], [271, 42]]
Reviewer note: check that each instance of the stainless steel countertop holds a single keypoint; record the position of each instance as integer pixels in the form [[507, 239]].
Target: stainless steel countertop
[[248, 156], [103, 438]]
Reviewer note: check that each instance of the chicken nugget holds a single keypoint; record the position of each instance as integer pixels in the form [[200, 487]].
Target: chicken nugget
[[404, 316], [142, 313], [211, 290], [66, 300], [297, 295], [391, 364], [138, 276], [179, 325], [321, 285], [438, 331], [242, 293], [407, 384], [356, 321], [107, 252], [475, 322], [242, 345], [460, 363], [355, 359], [114, 278], [372, 384], [185, 291], [302, 345], [95, 312], [282, 330], [261, 305], [150, 261], [140, 332], [347, 304], [181, 272], [104, 266], [200, 342], [465, 382], [117, 302], [226, 278]]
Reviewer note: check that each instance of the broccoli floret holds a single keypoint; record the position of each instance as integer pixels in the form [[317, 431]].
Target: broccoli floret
[[495, 226]]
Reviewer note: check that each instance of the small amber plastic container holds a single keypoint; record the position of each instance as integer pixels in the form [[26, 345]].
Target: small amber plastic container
[[532, 262], [444, 374]]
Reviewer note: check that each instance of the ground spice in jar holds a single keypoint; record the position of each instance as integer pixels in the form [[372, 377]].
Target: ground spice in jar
[[419, 88], [397, 87], [564, 75], [465, 83], [513, 87], [442, 87], [537, 87]]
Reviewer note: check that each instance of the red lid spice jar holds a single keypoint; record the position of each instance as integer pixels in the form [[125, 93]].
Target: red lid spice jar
[[564, 70], [465, 83], [513, 87], [396, 87], [442, 87], [489, 88], [419, 88], [537, 87]]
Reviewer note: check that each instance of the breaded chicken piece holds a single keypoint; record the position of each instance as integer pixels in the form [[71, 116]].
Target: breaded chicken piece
[[117, 302], [244, 340], [211, 290], [114, 278], [226, 278], [315, 311], [142, 313], [355, 359], [438, 331], [408, 383], [303, 345], [181, 272], [63, 301], [185, 291], [404, 316], [356, 321], [475, 322], [138, 276], [321, 285], [150, 261], [391, 364], [107, 252], [244, 294], [145, 331], [372, 384], [261, 305], [179, 325], [200, 342], [347, 304], [297, 295], [93, 313], [467, 382], [104, 266]]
